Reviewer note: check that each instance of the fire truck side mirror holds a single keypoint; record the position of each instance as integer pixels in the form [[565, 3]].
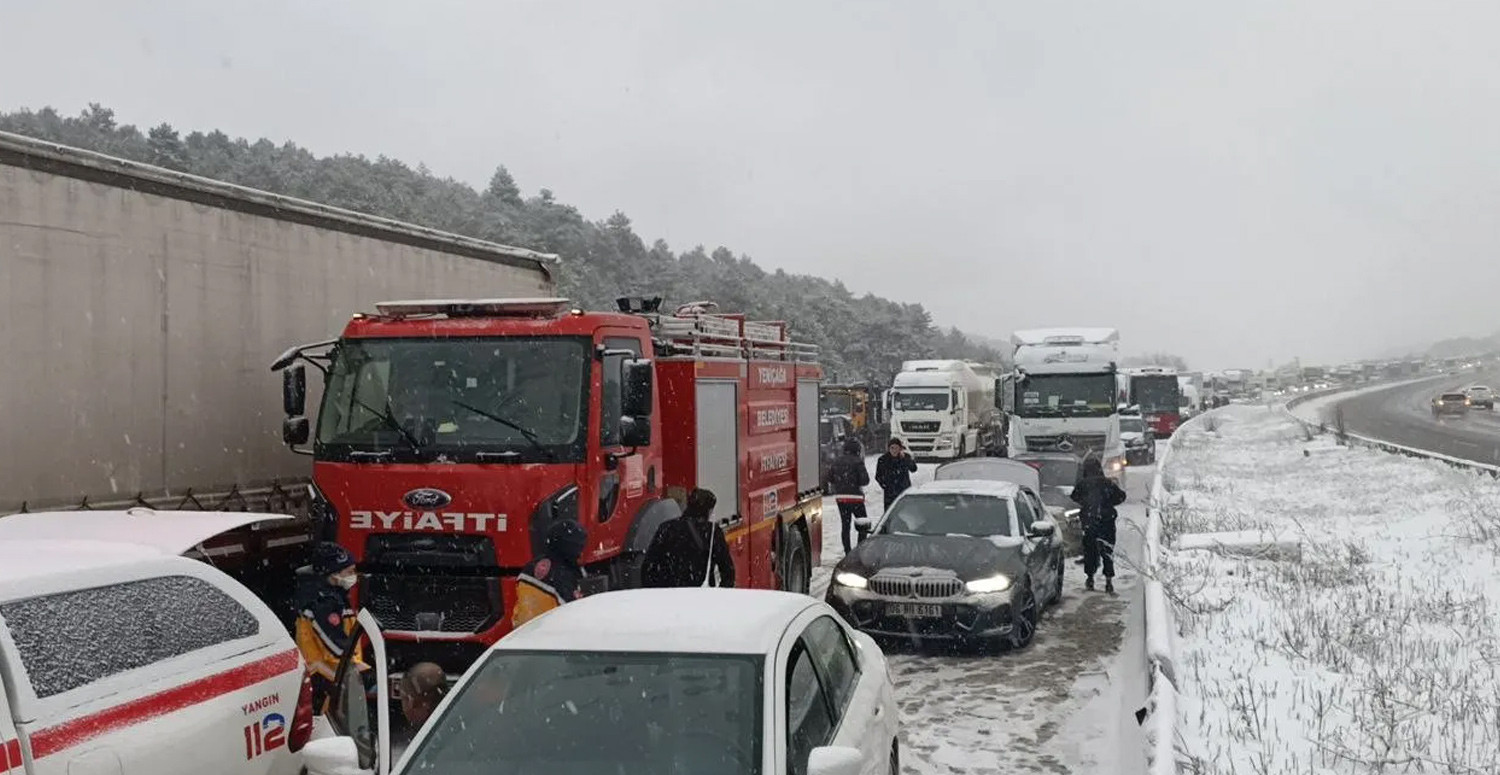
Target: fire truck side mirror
[[636, 377], [294, 390], [635, 431], [295, 431]]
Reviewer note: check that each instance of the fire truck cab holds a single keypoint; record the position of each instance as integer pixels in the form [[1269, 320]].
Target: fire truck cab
[[452, 433]]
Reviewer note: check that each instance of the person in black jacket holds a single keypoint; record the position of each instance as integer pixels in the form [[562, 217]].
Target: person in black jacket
[[847, 479], [894, 469], [686, 550], [1097, 496]]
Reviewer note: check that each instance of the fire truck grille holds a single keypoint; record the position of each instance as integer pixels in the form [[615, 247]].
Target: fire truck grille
[[430, 603], [1060, 443], [919, 587], [925, 426]]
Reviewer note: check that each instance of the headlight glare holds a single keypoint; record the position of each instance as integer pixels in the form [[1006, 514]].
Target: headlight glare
[[850, 580], [996, 583]]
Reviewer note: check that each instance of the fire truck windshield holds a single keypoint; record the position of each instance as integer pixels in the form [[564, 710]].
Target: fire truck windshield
[[493, 400], [1066, 395]]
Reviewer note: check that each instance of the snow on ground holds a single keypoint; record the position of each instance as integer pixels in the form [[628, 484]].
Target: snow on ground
[[1377, 650], [1053, 708]]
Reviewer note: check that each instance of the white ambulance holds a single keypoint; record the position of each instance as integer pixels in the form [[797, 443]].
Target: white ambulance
[[120, 657]]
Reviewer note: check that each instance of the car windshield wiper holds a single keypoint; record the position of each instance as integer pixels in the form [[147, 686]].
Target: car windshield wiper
[[513, 425]]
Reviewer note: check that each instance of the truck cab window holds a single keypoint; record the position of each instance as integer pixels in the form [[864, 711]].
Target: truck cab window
[[609, 415]]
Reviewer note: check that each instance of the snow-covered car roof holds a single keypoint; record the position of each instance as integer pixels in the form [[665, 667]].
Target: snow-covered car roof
[[167, 532], [35, 566], [991, 469], [682, 620], [990, 487]]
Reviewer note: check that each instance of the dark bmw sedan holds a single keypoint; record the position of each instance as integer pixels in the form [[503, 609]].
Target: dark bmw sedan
[[958, 560]]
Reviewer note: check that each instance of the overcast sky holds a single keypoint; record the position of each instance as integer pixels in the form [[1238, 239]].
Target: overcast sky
[[1234, 182]]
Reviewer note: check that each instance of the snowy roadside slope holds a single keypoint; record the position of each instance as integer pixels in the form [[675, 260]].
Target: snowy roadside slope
[[1054, 708], [1377, 650]]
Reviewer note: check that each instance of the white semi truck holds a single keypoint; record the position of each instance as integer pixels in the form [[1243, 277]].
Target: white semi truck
[[1067, 395], [944, 409]]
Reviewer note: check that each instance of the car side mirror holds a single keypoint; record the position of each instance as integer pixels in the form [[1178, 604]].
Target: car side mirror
[[636, 377], [635, 431], [294, 390], [295, 431], [331, 756], [834, 760], [1042, 528]]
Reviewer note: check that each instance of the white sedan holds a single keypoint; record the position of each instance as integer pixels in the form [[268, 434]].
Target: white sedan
[[648, 681]]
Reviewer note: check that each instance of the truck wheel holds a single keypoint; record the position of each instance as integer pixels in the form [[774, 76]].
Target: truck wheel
[[796, 576]]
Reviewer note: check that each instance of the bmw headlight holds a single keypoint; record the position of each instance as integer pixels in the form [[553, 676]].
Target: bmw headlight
[[850, 580], [996, 583]]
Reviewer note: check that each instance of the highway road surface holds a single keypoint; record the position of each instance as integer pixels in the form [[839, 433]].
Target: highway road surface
[[1403, 415]]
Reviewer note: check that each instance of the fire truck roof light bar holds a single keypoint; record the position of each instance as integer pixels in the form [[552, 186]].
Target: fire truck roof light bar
[[453, 308]]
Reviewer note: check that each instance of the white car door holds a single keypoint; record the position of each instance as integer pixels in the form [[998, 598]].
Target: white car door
[[833, 696]]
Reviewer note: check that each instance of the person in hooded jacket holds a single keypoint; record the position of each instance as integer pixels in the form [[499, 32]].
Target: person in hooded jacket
[[552, 579], [685, 551], [847, 479], [893, 470], [325, 621], [1097, 496]]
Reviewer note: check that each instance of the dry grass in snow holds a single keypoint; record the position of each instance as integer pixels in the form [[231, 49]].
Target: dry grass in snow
[[1375, 652]]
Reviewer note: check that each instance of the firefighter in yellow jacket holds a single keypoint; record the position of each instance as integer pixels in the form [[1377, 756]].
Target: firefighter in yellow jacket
[[325, 621], [552, 579]]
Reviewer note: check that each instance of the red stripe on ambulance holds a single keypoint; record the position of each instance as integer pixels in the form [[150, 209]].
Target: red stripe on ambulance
[[77, 731], [10, 756]]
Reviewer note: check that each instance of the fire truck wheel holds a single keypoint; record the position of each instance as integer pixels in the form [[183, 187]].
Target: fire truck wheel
[[795, 575]]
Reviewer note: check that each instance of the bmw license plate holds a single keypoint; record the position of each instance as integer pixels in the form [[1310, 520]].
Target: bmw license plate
[[914, 610]]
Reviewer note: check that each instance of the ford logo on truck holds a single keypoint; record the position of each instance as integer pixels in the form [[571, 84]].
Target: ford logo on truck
[[427, 498]]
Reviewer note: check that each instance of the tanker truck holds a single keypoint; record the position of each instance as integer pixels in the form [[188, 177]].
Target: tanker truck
[[144, 305], [945, 409]]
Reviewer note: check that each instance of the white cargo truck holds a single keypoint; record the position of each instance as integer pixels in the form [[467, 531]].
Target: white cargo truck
[[944, 409], [1067, 395]]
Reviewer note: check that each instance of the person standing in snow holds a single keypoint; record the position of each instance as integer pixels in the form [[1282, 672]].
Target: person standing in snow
[[552, 579], [325, 621], [847, 479], [1097, 496], [893, 470], [687, 550]]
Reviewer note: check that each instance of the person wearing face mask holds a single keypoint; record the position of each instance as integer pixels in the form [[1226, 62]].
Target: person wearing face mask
[[325, 620]]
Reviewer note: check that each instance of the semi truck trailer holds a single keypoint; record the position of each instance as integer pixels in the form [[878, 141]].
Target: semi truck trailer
[[1066, 394], [141, 306], [945, 409]]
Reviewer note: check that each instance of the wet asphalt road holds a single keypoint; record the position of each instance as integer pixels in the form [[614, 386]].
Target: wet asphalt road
[[1403, 415]]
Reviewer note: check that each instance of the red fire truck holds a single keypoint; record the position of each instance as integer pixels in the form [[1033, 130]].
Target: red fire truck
[[451, 434]]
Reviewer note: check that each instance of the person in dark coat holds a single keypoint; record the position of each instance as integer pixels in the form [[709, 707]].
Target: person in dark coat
[[847, 479], [552, 579], [1097, 496], [893, 470], [687, 550]]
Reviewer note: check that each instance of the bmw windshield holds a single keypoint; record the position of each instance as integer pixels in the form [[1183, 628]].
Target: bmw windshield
[[938, 514], [589, 713], [494, 400]]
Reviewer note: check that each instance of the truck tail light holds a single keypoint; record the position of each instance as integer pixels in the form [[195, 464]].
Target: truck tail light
[[302, 720]]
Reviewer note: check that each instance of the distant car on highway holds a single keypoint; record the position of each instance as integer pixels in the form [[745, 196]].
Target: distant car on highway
[[1140, 440], [957, 561], [642, 680], [1480, 397], [1454, 403]]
